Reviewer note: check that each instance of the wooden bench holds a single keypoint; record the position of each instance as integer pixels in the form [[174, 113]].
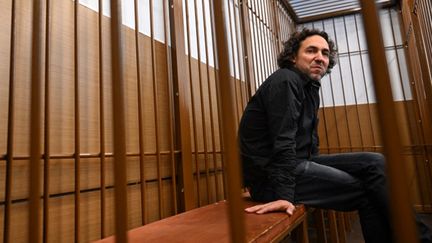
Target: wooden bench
[[210, 224]]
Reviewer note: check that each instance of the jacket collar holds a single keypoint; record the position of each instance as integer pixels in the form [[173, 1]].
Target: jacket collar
[[306, 79]]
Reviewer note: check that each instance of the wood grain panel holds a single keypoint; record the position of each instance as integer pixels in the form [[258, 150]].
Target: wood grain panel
[[336, 137], [62, 174], [5, 35]]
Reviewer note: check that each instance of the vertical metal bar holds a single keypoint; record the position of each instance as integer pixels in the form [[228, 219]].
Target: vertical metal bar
[[259, 41], [403, 224], [170, 111], [285, 19], [353, 84], [244, 54], [404, 97], [266, 13], [10, 131], [428, 51], [340, 222], [333, 230], [275, 32], [218, 101], [140, 116], [210, 95], [226, 92], [260, 63], [417, 102], [230, 29], [262, 42], [156, 109], [427, 16], [35, 123], [272, 45], [251, 15], [324, 113], [424, 19], [365, 84], [194, 122], [325, 121], [76, 125], [120, 172], [269, 56], [255, 57], [265, 46], [203, 113], [277, 23], [247, 47], [241, 102], [279, 14], [102, 122], [427, 12], [334, 110], [343, 90], [241, 54], [284, 26], [260, 12], [183, 102], [46, 127], [423, 86]]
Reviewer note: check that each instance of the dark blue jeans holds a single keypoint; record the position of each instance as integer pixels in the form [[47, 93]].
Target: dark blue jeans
[[346, 182]]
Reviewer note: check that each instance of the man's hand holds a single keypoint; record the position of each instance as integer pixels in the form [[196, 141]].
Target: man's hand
[[279, 205]]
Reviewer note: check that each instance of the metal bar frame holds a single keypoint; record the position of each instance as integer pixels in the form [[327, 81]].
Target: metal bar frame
[[77, 146], [182, 104], [119, 126], [46, 181], [226, 91], [102, 122], [35, 124], [403, 221]]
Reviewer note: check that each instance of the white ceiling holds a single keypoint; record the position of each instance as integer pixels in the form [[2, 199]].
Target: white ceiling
[[308, 10]]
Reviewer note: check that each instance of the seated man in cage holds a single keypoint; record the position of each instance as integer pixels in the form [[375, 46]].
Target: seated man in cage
[[279, 146]]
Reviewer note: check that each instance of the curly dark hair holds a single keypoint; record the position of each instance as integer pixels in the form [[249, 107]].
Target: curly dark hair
[[292, 45]]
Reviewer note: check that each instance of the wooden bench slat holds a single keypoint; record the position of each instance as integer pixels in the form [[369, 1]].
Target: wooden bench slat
[[210, 224]]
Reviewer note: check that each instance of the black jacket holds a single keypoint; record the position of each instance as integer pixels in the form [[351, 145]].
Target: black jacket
[[278, 130]]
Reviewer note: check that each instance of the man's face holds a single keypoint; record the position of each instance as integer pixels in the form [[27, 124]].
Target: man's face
[[313, 57]]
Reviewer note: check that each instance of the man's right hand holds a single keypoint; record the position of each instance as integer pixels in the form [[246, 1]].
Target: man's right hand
[[275, 206]]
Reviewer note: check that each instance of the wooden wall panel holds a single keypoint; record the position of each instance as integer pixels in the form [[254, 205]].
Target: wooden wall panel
[[334, 138], [61, 74], [61, 130], [22, 79], [62, 174], [19, 224], [62, 211], [5, 36]]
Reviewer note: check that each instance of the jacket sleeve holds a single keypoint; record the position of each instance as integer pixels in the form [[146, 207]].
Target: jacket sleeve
[[284, 102]]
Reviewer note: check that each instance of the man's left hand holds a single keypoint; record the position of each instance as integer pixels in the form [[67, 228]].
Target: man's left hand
[[279, 205]]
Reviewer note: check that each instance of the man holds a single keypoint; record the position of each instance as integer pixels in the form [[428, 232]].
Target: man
[[279, 145]]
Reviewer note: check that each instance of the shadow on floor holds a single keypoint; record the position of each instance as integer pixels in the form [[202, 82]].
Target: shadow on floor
[[355, 235]]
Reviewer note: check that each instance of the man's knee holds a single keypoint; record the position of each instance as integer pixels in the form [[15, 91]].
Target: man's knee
[[376, 160]]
